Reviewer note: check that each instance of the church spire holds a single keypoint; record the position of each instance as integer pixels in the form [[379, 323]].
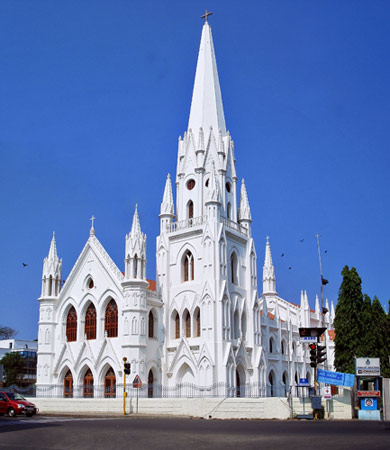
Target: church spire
[[52, 271], [269, 281], [206, 106], [135, 260]]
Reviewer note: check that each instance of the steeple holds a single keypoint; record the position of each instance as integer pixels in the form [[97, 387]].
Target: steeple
[[52, 271], [269, 281], [135, 261], [206, 106]]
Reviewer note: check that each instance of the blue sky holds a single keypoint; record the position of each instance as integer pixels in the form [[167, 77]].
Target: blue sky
[[93, 97]]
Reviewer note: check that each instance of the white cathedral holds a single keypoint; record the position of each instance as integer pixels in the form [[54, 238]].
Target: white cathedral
[[200, 329]]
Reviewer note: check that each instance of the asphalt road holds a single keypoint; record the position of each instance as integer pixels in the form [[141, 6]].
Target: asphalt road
[[45, 432]]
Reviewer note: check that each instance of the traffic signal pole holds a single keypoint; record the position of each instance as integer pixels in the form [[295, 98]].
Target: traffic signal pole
[[124, 386]]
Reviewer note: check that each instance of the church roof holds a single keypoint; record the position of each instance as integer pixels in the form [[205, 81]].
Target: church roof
[[206, 106]]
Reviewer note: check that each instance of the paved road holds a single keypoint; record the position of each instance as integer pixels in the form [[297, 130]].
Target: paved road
[[58, 433]]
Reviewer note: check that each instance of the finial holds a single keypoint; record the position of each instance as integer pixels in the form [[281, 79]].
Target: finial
[[267, 238], [54, 234], [206, 15], [92, 230]]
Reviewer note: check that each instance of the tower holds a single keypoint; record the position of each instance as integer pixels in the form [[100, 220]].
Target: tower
[[134, 287], [206, 260], [51, 285]]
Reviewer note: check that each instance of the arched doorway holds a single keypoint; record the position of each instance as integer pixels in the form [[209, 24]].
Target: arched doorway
[[150, 384], [88, 384], [238, 384], [68, 385], [110, 384], [271, 384]]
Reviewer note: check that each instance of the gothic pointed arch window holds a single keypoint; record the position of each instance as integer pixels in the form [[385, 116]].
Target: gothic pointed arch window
[[71, 325], [187, 323], [190, 209], [234, 268], [188, 266], [111, 319], [68, 385], [197, 322], [88, 384], [175, 325], [229, 211], [135, 266], [151, 325], [110, 384], [90, 322]]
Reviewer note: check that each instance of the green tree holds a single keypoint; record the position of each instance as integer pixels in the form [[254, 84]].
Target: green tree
[[7, 333], [380, 331], [368, 339], [347, 321], [13, 364]]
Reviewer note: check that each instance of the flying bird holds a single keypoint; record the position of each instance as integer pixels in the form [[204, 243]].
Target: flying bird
[[326, 251], [289, 268], [301, 240], [24, 264], [282, 255]]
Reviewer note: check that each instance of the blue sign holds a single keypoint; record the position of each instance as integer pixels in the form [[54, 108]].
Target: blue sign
[[304, 381], [335, 378]]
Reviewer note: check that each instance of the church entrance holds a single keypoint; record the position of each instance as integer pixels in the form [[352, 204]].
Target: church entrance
[[271, 384], [68, 385], [238, 384], [150, 384], [88, 384], [110, 384]]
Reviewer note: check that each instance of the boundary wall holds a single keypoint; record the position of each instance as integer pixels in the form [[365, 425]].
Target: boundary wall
[[208, 408]]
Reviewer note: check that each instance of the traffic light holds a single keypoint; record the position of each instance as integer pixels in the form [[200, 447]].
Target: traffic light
[[313, 355], [321, 354], [127, 368]]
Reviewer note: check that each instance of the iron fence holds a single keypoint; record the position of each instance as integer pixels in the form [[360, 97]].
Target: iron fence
[[182, 390]]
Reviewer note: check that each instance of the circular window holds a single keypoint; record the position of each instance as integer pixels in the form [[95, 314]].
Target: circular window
[[228, 187], [190, 184], [207, 183]]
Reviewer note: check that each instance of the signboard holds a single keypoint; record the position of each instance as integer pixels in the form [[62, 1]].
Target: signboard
[[316, 402], [137, 383], [335, 378], [370, 367], [304, 381], [369, 393], [312, 332], [327, 392], [308, 339]]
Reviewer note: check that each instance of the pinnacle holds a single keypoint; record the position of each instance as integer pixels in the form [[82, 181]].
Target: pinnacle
[[244, 210], [135, 227], [53, 249], [167, 203]]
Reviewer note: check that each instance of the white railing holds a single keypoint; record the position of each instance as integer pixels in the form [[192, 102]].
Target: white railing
[[200, 220], [189, 223], [234, 226]]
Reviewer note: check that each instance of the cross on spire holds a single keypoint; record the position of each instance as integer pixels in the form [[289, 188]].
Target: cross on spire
[[92, 231], [206, 15]]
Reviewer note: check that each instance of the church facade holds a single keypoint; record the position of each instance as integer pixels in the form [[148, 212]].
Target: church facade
[[200, 329]]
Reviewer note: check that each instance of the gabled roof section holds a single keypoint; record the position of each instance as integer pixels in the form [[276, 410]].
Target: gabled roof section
[[206, 106], [94, 244]]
